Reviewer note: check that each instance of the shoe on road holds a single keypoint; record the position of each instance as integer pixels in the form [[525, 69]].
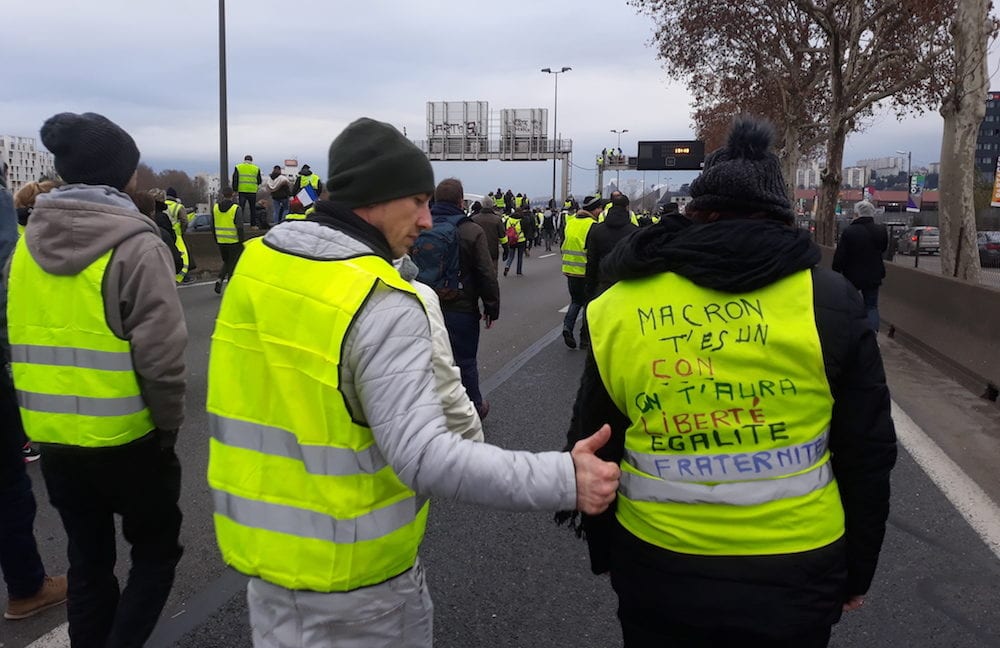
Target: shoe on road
[[30, 454], [505, 271], [569, 339], [218, 287], [483, 409], [53, 593]]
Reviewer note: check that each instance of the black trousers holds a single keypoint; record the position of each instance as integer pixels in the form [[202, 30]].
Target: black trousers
[[141, 482], [230, 255], [248, 202]]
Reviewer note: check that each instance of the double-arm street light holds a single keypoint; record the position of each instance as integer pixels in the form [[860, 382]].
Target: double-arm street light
[[618, 173], [555, 131]]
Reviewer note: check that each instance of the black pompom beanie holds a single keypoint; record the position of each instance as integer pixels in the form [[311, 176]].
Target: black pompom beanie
[[744, 175], [372, 162], [90, 149]]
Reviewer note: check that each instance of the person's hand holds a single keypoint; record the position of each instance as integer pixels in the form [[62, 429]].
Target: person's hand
[[488, 320], [596, 479], [854, 603]]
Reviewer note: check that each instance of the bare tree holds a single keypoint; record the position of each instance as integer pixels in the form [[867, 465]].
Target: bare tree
[[753, 56], [963, 107], [875, 51]]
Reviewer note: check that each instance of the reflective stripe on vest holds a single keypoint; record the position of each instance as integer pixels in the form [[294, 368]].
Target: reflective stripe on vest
[[730, 411], [224, 224], [75, 380], [246, 180], [297, 481], [574, 246], [173, 211]]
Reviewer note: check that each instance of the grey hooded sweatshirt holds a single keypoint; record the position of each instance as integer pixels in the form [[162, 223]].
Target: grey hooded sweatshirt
[[70, 228]]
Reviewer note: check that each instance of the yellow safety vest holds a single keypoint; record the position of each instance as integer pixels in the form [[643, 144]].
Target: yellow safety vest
[[174, 209], [224, 224], [574, 246], [499, 202], [727, 452], [20, 230], [309, 180], [76, 384], [247, 174], [303, 496], [514, 222]]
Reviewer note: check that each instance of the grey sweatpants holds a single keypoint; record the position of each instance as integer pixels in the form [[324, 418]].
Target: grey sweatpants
[[395, 614]]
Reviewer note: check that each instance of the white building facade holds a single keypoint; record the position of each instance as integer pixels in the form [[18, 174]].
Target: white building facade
[[856, 177], [26, 161], [807, 175]]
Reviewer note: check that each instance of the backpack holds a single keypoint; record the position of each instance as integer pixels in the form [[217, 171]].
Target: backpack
[[512, 236], [436, 254]]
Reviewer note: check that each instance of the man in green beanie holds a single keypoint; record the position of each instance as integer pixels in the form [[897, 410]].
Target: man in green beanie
[[322, 468]]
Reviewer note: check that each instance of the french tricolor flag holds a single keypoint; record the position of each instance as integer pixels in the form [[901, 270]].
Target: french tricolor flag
[[306, 196]]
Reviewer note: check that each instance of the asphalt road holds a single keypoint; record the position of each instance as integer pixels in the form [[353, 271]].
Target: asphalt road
[[503, 579]]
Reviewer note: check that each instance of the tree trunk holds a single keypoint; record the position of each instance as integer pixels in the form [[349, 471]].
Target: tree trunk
[[829, 187], [790, 157], [963, 109]]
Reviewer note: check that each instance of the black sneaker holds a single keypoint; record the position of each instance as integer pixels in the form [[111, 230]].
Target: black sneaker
[[569, 339], [30, 454], [505, 271], [218, 287]]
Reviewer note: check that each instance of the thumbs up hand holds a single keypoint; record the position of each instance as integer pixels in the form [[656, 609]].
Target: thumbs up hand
[[596, 479]]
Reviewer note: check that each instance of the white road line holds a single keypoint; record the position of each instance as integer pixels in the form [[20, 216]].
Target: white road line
[[546, 256], [564, 308], [971, 501], [56, 638]]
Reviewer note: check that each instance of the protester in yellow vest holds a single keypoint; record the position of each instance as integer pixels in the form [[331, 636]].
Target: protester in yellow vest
[[324, 453], [29, 589], [574, 266], [97, 336], [246, 181], [179, 223], [227, 224], [751, 421]]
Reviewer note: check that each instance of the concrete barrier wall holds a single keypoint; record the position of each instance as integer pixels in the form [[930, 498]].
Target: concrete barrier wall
[[954, 322], [205, 252]]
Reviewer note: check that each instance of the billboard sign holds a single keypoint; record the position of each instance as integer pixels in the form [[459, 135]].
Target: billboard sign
[[524, 122], [457, 120], [671, 155], [995, 201]]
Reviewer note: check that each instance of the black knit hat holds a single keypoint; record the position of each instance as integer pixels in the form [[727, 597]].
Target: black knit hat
[[90, 149], [743, 176], [372, 162]]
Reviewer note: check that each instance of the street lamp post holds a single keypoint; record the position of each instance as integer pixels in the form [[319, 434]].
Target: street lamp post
[[618, 172], [555, 130], [909, 167], [223, 118]]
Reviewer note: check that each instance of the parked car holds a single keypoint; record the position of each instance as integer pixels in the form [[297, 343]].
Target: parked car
[[200, 223], [989, 249], [929, 238]]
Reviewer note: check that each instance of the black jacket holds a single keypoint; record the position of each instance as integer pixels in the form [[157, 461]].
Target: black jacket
[[478, 274], [778, 594], [601, 239], [859, 253]]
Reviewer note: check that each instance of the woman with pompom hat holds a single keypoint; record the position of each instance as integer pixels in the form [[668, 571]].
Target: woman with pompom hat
[[750, 417]]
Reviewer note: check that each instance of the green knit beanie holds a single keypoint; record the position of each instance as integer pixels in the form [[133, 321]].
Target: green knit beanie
[[372, 162]]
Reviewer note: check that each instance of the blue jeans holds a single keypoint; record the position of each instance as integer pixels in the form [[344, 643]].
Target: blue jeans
[[463, 330], [519, 250], [870, 295], [19, 560], [280, 209]]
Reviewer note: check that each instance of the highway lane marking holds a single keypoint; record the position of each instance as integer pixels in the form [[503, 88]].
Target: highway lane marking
[[546, 256], [564, 308], [55, 638], [971, 501]]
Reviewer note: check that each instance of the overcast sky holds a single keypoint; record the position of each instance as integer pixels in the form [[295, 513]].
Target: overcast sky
[[299, 72]]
